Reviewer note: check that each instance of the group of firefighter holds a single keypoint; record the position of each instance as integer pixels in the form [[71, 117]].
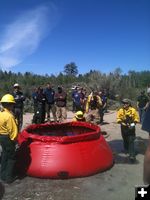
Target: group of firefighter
[[89, 108], [45, 100], [86, 108]]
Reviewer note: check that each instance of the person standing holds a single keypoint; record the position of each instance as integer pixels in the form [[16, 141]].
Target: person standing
[[77, 99], [93, 105], [39, 112], [8, 136], [18, 107], [61, 102], [103, 107], [74, 90], [146, 127], [82, 98], [142, 101], [50, 102], [146, 120], [127, 117], [34, 98]]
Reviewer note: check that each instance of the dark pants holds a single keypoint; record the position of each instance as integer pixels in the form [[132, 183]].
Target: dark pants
[[146, 121], [18, 112], [128, 136], [39, 114], [52, 108], [141, 114], [101, 113], [7, 158]]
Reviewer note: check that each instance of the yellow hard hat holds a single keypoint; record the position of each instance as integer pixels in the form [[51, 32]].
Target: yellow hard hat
[[7, 98], [79, 115]]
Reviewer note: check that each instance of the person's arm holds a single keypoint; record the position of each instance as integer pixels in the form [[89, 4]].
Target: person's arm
[[99, 101], [136, 116], [12, 128], [22, 97], [120, 117], [147, 105], [87, 104]]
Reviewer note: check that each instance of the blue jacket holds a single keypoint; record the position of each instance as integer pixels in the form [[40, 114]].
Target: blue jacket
[[49, 94], [146, 121]]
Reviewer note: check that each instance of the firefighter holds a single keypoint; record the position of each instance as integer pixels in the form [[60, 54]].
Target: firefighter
[[93, 105], [79, 116], [127, 117], [8, 136], [18, 108]]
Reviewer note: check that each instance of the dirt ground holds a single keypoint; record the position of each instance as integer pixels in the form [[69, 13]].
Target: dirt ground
[[117, 183]]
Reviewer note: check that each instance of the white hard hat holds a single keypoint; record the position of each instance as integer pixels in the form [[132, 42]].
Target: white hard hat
[[16, 85]]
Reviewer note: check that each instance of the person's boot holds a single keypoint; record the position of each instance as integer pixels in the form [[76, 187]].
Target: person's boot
[[9, 178]]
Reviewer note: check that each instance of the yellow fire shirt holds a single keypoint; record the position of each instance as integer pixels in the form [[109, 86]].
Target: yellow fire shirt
[[8, 125], [123, 113]]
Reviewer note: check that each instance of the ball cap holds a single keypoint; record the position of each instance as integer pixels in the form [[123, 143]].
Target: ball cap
[[59, 87], [126, 101]]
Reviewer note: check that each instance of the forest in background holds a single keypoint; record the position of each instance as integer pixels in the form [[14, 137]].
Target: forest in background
[[116, 84]]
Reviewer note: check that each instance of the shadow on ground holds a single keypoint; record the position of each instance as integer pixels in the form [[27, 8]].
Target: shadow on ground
[[120, 156]]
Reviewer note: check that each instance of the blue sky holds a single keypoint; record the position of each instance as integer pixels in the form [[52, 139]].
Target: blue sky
[[42, 36]]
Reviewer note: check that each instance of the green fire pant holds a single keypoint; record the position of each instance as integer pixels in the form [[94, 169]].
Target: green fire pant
[[128, 136], [7, 158]]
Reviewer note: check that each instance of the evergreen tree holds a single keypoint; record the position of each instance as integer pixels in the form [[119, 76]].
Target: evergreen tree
[[71, 69]]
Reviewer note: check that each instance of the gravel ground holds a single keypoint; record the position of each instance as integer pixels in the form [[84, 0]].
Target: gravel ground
[[118, 183]]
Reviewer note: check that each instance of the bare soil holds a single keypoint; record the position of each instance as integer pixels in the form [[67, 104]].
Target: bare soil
[[118, 183]]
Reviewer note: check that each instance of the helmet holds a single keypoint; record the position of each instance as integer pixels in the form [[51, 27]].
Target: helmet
[[7, 98], [16, 85], [79, 115]]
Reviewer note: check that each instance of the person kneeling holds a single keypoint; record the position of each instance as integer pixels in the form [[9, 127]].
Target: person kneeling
[[79, 116]]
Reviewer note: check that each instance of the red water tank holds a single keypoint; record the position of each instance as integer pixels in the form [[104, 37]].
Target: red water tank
[[63, 150]]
